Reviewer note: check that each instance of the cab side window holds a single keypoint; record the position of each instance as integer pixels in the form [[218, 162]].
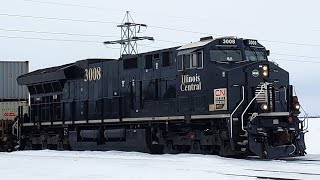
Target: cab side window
[[166, 59], [190, 61], [180, 63], [186, 61], [200, 60]]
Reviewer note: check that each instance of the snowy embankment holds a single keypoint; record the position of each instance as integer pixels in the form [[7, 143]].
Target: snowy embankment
[[53, 165]]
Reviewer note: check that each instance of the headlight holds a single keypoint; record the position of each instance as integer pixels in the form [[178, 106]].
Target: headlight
[[297, 106], [265, 73], [264, 107], [265, 67], [265, 70]]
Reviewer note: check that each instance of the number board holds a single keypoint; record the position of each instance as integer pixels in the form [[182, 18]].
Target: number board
[[251, 42], [228, 41]]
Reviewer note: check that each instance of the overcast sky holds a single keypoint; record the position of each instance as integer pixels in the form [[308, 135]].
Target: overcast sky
[[289, 29]]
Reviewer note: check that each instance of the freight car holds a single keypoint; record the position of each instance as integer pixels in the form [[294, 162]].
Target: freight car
[[11, 97], [220, 96]]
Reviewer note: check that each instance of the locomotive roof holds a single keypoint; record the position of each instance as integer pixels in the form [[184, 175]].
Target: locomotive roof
[[203, 42], [47, 70], [45, 75], [195, 44], [55, 73]]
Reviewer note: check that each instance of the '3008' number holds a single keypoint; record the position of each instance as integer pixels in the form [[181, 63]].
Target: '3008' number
[[92, 74], [229, 41]]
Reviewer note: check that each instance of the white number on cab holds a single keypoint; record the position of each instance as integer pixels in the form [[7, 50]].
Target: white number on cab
[[252, 43], [229, 41], [92, 74]]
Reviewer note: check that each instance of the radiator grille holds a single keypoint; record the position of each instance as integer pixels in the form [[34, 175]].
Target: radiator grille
[[264, 96]]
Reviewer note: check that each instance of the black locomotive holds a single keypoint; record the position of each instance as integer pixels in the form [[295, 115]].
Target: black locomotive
[[218, 96]]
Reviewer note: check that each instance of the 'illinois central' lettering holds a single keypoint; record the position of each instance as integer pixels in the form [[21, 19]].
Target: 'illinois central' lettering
[[190, 83]]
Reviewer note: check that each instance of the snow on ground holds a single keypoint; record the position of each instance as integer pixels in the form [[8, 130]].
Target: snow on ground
[[313, 137], [113, 165]]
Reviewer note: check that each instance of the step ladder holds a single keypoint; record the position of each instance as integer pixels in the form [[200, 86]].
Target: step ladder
[[243, 142]]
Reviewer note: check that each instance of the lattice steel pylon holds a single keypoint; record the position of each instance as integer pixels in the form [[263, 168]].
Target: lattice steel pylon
[[129, 38]]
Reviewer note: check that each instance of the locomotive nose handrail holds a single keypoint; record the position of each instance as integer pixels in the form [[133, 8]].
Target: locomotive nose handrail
[[305, 121], [263, 87], [231, 119]]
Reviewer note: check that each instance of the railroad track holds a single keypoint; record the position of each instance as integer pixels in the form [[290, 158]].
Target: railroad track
[[260, 177], [282, 174], [276, 174], [303, 160]]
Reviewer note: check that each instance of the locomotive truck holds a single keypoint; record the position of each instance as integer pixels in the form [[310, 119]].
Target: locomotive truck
[[215, 96]]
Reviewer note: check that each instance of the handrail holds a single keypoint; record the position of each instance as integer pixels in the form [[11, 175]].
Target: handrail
[[263, 87], [306, 115], [305, 120], [285, 94], [294, 149], [231, 119]]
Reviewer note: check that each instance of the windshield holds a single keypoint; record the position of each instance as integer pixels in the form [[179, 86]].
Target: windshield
[[255, 55], [225, 55]]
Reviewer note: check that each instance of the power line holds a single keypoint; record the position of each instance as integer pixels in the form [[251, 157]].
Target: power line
[[92, 35], [291, 43], [58, 19], [165, 28], [157, 27], [294, 60], [72, 34], [311, 57], [97, 42], [55, 33], [52, 39], [113, 9], [187, 31], [103, 36], [177, 42], [99, 8], [74, 5], [65, 40]]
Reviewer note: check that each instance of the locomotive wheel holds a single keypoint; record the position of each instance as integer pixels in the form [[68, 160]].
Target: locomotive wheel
[[60, 146], [169, 148], [44, 145], [224, 149], [28, 145], [196, 148], [156, 149]]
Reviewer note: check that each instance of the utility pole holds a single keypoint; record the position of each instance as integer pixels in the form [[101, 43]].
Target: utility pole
[[129, 38]]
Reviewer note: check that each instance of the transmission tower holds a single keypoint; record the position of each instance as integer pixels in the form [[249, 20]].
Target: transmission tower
[[129, 38]]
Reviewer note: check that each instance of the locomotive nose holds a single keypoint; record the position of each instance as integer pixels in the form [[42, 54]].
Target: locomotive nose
[[269, 84], [272, 127]]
